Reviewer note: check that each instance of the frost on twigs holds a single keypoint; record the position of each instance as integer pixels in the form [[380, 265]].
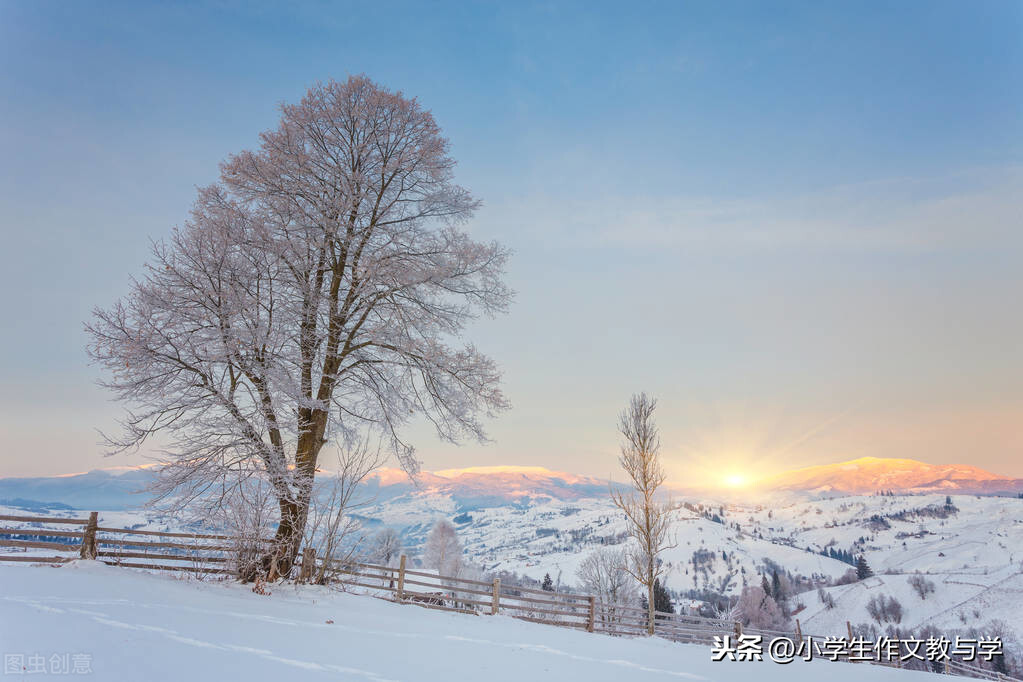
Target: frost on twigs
[[318, 289]]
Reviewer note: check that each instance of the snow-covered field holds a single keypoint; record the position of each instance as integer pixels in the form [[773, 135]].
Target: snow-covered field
[[131, 625], [973, 554]]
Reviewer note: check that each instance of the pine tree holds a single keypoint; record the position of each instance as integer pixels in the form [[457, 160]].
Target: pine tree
[[662, 600], [863, 571], [547, 584]]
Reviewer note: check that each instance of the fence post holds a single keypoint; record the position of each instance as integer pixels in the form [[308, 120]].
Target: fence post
[[401, 578], [738, 629], [946, 667], [799, 632], [495, 606], [592, 614], [88, 550]]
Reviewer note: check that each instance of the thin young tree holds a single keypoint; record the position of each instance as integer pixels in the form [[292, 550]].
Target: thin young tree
[[333, 527], [318, 289], [648, 519], [603, 574]]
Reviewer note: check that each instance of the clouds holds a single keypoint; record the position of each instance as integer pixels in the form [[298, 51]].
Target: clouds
[[971, 211]]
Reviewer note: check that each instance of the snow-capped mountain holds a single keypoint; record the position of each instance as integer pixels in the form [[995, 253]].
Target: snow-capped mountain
[[870, 474], [120, 488], [476, 487], [114, 488]]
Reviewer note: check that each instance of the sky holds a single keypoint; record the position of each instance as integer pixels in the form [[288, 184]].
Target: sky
[[796, 224]]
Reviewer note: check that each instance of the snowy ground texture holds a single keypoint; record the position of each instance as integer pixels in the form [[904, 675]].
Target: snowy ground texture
[[139, 626]]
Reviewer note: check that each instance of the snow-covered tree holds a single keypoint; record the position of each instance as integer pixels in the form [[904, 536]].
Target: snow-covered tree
[[757, 609], [443, 550], [385, 547], [648, 519], [317, 290], [603, 574]]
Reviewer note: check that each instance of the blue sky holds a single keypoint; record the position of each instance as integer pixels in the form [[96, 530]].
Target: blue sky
[[795, 223]]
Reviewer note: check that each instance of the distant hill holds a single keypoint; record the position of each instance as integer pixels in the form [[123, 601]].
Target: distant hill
[[869, 474]]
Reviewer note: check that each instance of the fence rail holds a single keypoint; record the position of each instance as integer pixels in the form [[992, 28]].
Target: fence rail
[[202, 552], [209, 554]]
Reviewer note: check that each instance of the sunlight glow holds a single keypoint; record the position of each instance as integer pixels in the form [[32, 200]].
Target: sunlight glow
[[735, 480]]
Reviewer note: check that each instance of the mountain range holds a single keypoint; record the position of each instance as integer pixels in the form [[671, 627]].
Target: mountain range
[[870, 474], [475, 487]]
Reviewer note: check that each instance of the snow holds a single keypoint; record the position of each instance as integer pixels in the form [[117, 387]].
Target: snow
[[957, 602], [140, 626], [974, 557]]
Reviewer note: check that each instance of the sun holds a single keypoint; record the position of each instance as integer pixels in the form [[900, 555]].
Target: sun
[[734, 480]]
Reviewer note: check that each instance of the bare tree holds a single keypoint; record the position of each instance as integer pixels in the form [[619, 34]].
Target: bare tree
[[826, 598], [332, 529], [648, 519], [921, 585], [385, 547], [885, 609], [603, 574], [315, 291], [245, 509]]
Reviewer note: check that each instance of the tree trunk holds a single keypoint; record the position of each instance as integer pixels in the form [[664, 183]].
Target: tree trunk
[[280, 559], [650, 605]]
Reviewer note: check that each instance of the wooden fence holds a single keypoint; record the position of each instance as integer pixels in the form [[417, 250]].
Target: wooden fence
[[214, 554], [159, 550]]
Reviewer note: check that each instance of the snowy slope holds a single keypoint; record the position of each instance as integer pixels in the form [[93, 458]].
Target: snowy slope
[[138, 626], [952, 605]]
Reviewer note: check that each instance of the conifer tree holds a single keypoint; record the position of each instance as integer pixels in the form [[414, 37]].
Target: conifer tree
[[863, 571], [662, 600]]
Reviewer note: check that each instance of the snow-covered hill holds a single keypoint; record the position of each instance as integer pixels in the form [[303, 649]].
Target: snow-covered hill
[[123, 625]]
